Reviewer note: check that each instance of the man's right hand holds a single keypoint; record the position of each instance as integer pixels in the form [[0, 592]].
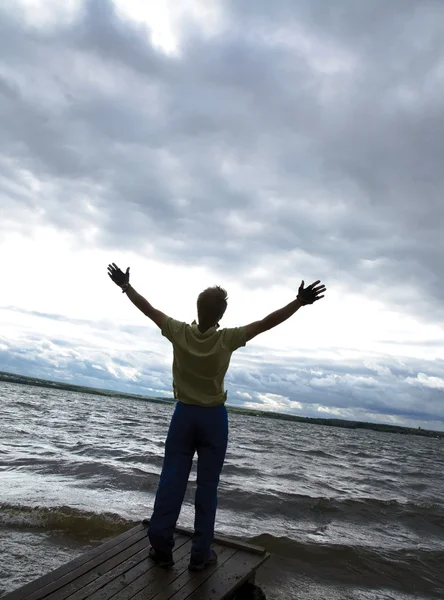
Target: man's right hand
[[311, 293]]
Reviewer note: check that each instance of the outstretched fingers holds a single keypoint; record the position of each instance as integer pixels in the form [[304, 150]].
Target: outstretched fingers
[[319, 290]]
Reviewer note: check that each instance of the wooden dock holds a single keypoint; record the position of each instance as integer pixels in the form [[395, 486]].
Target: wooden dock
[[120, 569]]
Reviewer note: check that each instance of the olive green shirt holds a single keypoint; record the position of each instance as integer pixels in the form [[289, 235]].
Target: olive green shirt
[[201, 360]]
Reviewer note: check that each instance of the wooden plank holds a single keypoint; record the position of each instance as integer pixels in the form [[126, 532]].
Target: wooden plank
[[75, 575], [150, 589], [142, 578], [36, 588], [126, 571], [221, 539], [84, 579], [188, 581], [72, 572], [120, 571], [224, 582], [225, 541]]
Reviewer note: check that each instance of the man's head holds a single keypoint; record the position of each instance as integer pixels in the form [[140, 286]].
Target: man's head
[[211, 305]]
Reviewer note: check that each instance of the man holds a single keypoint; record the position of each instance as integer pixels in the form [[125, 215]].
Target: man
[[202, 354]]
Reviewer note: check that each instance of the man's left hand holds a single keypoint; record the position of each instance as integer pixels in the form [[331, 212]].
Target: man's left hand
[[119, 277]]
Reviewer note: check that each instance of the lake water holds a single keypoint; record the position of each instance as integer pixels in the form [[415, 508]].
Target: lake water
[[347, 514]]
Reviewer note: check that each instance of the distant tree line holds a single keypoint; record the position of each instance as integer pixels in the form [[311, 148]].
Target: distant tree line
[[23, 379]]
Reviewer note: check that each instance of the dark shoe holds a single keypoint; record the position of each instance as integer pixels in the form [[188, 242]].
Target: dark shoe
[[162, 559], [197, 564]]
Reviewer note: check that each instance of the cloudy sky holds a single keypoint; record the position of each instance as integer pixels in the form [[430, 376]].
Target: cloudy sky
[[249, 144]]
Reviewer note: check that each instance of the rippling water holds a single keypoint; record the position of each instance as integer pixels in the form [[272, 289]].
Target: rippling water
[[347, 513]]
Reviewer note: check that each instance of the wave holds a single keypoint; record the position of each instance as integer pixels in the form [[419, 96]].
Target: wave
[[412, 568], [89, 525], [304, 507], [319, 453], [364, 566], [92, 527], [99, 475], [75, 523], [316, 552]]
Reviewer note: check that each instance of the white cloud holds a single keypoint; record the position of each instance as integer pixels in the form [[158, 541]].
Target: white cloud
[[245, 395], [246, 144], [426, 380]]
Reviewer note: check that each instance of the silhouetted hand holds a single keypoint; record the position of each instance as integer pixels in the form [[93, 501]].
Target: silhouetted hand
[[311, 293], [119, 277]]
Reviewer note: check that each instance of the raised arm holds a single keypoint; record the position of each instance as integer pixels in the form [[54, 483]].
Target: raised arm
[[122, 280], [305, 296]]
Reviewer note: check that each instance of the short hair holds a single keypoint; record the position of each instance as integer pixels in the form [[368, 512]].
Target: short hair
[[211, 305]]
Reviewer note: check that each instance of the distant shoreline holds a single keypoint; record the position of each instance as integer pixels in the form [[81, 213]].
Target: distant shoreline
[[25, 380]]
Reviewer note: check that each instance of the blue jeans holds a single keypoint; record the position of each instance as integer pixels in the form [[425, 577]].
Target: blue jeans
[[192, 429]]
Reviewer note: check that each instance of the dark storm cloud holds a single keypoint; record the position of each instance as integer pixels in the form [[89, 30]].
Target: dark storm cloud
[[304, 126], [393, 388], [309, 131], [87, 362]]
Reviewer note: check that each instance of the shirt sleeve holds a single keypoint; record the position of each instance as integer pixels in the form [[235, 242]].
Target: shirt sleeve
[[172, 329], [234, 338]]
